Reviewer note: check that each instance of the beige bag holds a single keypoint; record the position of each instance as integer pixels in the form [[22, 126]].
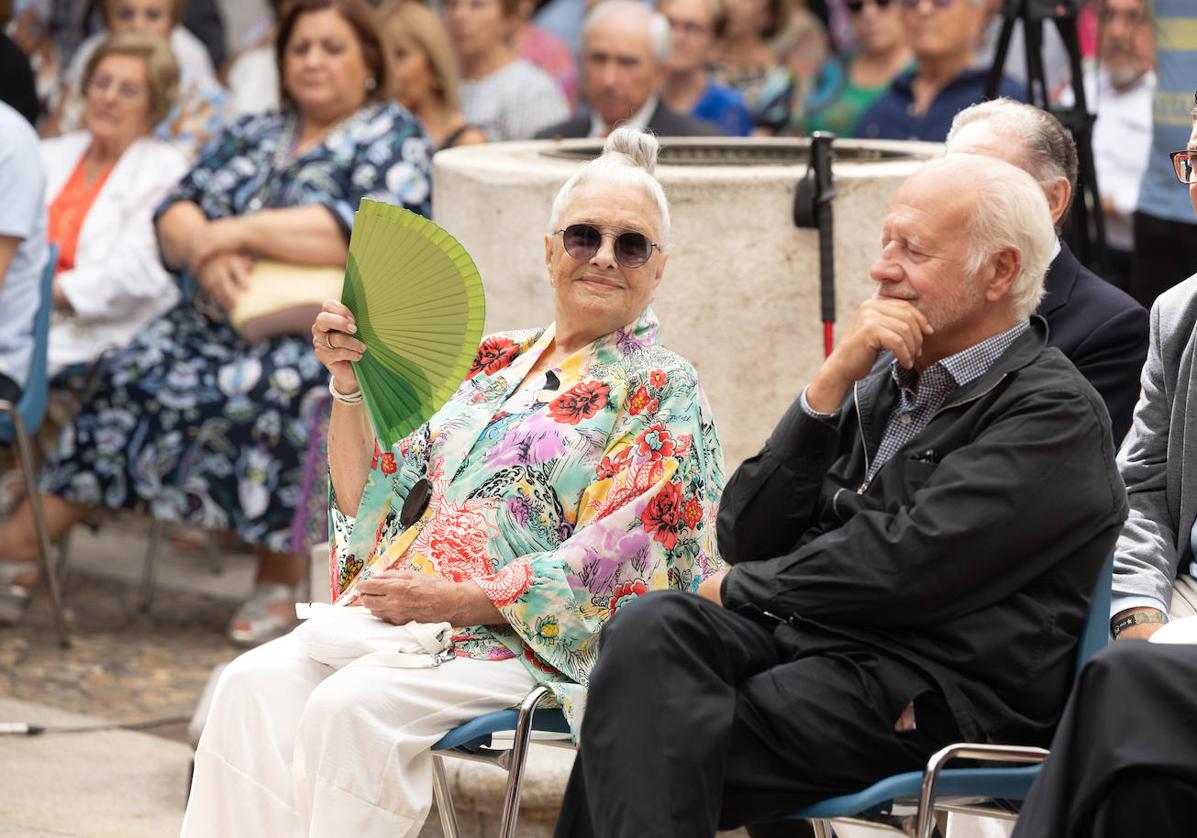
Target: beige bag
[[284, 299]]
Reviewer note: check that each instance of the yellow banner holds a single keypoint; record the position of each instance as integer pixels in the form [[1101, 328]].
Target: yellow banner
[[1176, 33]]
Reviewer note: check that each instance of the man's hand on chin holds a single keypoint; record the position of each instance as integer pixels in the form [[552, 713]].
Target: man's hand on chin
[[709, 587]]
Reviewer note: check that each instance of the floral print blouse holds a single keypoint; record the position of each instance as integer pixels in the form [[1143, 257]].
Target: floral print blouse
[[563, 503]]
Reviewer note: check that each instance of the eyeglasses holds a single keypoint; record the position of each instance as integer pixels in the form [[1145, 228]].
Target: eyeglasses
[[582, 241], [1182, 164], [691, 28], [914, 4], [127, 90], [857, 6]]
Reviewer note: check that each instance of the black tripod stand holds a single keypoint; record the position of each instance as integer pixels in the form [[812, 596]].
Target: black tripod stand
[[1087, 239]]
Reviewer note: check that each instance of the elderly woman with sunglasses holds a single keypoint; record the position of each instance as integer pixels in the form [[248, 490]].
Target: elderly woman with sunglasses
[[575, 469]]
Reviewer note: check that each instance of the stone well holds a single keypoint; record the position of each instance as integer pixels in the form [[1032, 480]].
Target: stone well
[[740, 297]]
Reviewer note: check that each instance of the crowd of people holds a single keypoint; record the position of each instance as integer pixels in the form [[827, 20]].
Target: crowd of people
[[908, 561]]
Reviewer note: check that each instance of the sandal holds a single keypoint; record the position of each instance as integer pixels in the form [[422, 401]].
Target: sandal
[[260, 618], [14, 598]]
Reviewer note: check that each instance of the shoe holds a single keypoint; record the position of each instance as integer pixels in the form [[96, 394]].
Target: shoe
[[256, 622], [14, 598]]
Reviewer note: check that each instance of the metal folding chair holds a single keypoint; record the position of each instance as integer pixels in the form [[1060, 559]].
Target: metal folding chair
[[881, 803], [473, 741], [20, 421]]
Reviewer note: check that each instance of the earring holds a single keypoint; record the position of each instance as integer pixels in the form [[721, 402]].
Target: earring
[[371, 84]]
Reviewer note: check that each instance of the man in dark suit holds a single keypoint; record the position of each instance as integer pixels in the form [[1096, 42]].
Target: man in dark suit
[[625, 45], [1101, 329]]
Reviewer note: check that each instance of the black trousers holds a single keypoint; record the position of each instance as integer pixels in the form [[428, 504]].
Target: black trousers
[[10, 391], [1124, 759], [1165, 254], [698, 718]]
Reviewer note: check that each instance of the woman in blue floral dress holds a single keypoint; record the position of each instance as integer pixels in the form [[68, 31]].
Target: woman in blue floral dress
[[191, 420]]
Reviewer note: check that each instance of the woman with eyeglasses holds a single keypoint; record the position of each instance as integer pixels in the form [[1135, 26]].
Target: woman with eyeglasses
[[845, 85], [690, 86], [102, 186], [575, 469]]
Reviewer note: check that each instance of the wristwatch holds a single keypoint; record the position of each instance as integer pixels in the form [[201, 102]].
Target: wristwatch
[[1139, 617]]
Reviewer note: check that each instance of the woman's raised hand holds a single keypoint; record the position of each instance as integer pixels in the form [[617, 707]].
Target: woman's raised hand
[[334, 346]]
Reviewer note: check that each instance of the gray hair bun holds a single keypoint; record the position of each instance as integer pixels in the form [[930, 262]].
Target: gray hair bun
[[639, 147]]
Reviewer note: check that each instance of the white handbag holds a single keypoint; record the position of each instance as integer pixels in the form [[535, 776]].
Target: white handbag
[[352, 636]]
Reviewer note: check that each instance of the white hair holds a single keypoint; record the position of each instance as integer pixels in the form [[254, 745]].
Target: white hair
[[1047, 150], [660, 35], [1010, 211], [629, 158]]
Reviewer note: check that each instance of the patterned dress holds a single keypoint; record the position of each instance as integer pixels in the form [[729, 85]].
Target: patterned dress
[[563, 503], [191, 420]]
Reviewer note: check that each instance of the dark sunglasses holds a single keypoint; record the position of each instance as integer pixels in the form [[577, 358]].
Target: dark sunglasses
[[1182, 164], [914, 4], [856, 6], [582, 241]]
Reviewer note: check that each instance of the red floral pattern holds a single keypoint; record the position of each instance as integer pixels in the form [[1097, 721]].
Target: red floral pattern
[[691, 514], [640, 400], [579, 402], [625, 593], [494, 354], [388, 464], [505, 587], [656, 442], [662, 515], [611, 466], [657, 378]]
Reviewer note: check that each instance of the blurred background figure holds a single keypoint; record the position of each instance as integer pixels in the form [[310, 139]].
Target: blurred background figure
[[18, 88], [22, 252], [690, 87], [1118, 89], [425, 76], [202, 107], [541, 48], [501, 93], [102, 185], [921, 102], [879, 56], [803, 83], [251, 75], [625, 51], [191, 419], [744, 56]]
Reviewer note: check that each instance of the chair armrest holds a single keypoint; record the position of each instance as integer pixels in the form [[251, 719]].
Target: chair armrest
[[938, 760]]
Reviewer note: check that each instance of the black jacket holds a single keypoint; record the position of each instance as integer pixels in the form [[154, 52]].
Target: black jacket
[[664, 123], [969, 559], [1101, 329]]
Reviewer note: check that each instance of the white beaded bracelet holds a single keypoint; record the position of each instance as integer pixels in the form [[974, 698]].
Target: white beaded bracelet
[[338, 396]]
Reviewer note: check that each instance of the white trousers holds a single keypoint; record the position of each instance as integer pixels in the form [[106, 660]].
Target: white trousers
[[295, 748]]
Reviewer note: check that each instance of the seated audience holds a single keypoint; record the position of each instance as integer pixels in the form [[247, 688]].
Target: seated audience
[[425, 77], [886, 596], [922, 101], [1102, 330], [102, 186], [807, 76], [848, 85], [1118, 89], [576, 469], [251, 75], [202, 106], [625, 49], [744, 55], [543, 49], [22, 254], [501, 93], [690, 88], [1165, 232], [190, 419], [18, 88], [1111, 774]]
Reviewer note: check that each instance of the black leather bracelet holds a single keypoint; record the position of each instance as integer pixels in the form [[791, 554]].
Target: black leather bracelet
[[1138, 618]]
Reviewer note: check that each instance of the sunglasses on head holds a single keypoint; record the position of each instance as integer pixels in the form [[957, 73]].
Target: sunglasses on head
[[582, 241]]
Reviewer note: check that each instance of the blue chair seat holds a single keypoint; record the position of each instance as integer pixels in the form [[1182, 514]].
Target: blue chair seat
[[475, 734], [1005, 783]]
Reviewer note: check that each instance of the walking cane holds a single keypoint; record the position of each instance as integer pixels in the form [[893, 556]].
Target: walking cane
[[812, 208]]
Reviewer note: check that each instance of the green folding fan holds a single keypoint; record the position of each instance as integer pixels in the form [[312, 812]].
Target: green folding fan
[[418, 301]]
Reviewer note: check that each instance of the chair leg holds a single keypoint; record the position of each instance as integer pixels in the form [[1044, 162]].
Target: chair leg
[[49, 571], [519, 756], [444, 799], [146, 595]]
